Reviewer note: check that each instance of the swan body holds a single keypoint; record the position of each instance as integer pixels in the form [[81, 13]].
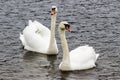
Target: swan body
[[83, 57], [38, 38]]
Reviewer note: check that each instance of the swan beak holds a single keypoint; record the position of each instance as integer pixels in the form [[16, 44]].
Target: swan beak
[[68, 28], [52, 12]]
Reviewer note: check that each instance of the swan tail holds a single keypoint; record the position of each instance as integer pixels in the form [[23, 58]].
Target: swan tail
[[97, 55], [22, 39], [30, 22]]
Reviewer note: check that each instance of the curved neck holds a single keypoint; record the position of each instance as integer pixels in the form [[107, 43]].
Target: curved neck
[[66, 57]]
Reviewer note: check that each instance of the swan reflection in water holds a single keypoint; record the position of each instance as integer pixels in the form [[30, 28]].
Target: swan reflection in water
[[36, 59], [53, 67], [39, 63]]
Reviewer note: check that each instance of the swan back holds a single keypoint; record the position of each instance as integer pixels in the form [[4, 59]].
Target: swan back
[[36, 36], [83, 57]]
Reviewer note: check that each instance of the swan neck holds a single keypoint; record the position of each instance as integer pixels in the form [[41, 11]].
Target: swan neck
[[65, 49], [53, 21], [51, 49]]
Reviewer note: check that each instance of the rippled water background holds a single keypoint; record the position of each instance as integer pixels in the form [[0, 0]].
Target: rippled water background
[[94, 22]]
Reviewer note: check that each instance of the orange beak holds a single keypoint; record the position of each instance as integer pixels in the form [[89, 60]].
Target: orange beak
[[52, 12], [68, 28]]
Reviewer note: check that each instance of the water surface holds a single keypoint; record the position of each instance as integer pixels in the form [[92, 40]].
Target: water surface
[[94, 22]]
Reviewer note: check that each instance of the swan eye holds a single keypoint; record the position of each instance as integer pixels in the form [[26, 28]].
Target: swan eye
[[53, 8], [67, 25]]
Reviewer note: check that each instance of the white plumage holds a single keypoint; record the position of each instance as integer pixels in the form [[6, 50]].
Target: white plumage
[[83, 57], [36, 37]]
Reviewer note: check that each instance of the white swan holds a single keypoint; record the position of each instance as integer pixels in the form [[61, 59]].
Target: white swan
[[81, 58], [36, 37]]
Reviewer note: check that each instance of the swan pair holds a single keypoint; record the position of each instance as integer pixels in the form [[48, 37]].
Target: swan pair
[[38, 38]]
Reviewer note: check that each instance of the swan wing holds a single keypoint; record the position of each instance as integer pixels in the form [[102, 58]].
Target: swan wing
[[36, 42], [43, 30], [83, 57], [36, 37]]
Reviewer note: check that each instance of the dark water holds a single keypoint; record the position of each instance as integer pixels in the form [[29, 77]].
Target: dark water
[[94, 22]]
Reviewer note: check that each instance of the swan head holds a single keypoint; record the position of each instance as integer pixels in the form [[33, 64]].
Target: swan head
[[64, 25], [54, 10]]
